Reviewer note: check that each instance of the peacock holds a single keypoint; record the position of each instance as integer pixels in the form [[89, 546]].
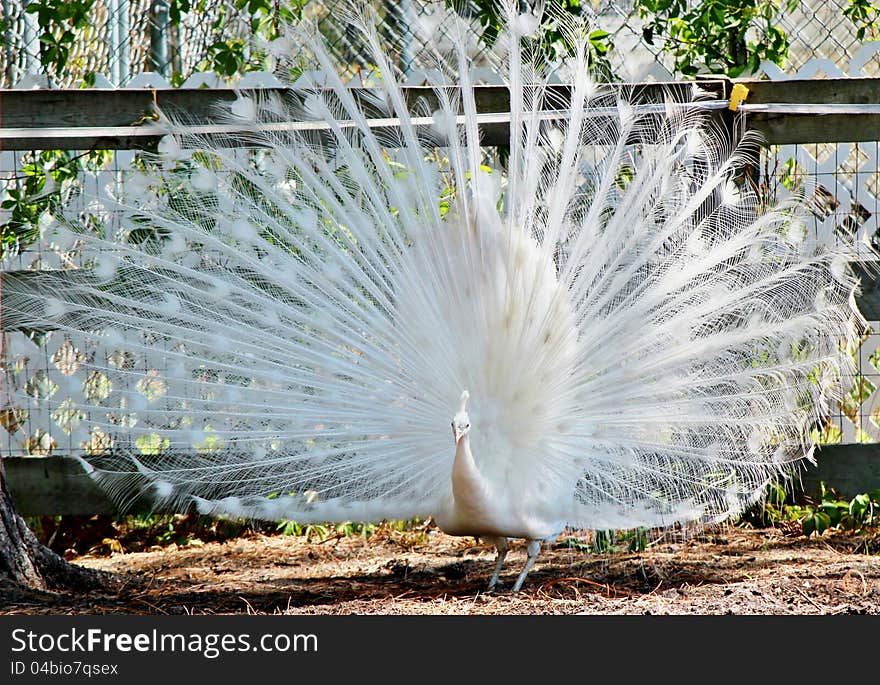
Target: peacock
[[285, 321]]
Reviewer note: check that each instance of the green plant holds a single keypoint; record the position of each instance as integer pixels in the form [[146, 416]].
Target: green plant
[[551, 41], [231, 56], [47, 180], [772, 510], [856, 514], [59, 20], [830, 512], [611, 542], [717, 36], [102, 534], [323, 531], [865, 15]]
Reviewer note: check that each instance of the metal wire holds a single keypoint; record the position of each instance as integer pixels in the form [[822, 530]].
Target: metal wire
[[127, 37]]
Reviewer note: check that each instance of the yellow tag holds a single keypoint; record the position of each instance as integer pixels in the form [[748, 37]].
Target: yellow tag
[[737, 95]]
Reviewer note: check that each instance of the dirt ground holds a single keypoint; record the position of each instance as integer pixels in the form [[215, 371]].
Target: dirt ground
[[731, 570]]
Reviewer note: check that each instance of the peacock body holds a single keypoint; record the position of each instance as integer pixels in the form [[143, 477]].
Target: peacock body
[[620, 333]]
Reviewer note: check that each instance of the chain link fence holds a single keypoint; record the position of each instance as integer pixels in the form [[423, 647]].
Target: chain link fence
[[127, 37]]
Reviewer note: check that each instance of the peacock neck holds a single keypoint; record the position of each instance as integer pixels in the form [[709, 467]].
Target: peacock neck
[[468, 484]]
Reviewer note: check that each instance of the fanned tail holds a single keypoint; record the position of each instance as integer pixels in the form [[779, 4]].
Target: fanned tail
[[284, 329]]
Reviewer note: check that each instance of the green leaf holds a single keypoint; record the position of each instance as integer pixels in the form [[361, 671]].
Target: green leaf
[[858, 507], [808, 526], [834, 511]]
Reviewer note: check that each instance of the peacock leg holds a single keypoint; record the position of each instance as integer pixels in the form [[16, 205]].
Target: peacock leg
[[533, 550], [502, 547]]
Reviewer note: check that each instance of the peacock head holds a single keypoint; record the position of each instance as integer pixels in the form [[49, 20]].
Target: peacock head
[[461, 422]]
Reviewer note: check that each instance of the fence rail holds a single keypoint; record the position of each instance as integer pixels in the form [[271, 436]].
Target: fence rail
[[125, 118], [58, 486]]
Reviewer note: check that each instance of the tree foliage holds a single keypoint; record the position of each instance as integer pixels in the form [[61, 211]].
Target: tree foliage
[[865, 15], [235, 55], [59, 22], [551, 41], [729, 37], [718, 36]]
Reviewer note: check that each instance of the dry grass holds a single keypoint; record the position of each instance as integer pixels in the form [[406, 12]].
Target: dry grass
[[426, 572]]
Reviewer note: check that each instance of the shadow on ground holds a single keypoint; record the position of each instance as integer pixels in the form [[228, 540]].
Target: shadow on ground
[[733, 571]]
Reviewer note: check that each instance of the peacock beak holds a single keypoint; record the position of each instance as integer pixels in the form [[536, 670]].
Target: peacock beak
[[456, 434]]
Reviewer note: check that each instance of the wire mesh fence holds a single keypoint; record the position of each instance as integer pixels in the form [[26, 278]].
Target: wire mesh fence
[[48, 369], [126, 37], [842, 182]]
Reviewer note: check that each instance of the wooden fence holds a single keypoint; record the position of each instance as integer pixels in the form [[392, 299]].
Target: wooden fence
[[785, 112]]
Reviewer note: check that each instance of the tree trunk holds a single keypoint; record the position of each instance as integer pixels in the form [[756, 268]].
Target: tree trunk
[[24, 561]]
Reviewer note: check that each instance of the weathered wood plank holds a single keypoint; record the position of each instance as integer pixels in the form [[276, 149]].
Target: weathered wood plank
[[66, 119], [832, 91], [76, 108], [21, 292], [54, 115], [791, 129], [52, 486], [868, 299], [784, 129], [850, 469]]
